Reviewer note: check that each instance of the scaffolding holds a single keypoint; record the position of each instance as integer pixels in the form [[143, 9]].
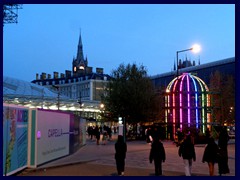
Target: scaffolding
[[10, 13]]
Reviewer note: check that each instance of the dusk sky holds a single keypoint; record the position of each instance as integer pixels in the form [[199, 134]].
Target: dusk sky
[[45, 39]]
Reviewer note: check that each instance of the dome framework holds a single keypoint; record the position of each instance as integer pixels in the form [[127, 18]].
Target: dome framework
[[187, 101]]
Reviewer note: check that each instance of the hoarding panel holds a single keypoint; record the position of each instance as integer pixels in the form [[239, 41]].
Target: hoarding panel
[[15, 138], [52, 135]]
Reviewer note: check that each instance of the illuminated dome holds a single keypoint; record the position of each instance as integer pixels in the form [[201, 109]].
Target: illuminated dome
[[186, 103]]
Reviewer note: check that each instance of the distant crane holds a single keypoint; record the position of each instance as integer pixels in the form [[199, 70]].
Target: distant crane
[[10, 13]]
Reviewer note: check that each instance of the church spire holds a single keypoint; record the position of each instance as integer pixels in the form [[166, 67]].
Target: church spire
[[80, 49]]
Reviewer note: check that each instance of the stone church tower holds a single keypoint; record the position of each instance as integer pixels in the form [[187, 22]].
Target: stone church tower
[[79, 64]]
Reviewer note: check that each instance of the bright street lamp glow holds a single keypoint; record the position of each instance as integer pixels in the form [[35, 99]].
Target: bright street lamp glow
[[196, 48]]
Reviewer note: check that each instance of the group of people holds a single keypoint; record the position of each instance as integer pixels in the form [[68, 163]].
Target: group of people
[[95, 132], [213, 153], [217, 153]]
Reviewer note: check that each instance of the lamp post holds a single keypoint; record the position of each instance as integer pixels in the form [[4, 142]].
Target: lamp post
[[80, 104], [58, 95], [195, 48]]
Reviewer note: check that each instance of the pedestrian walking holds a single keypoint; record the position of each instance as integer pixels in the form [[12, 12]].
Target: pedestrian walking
[[90, 132], [104, 138], [109, 132], [120, 154], [148, 134], [157, 154], [180, 137], [207, 134], [210, 155], [97, 134], [155, 133], [223, 152], [187, 152]]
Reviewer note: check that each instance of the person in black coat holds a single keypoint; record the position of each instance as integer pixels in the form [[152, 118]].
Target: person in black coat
[[120, 154], [157, 154], [187, 152], [97, 134], [210, 155], [223, 152]]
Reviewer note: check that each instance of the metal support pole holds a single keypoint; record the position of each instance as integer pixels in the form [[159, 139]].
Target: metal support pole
[[177, 64], [80, 104], [58, 95], [42, 97], [58, 98], [124, 129]]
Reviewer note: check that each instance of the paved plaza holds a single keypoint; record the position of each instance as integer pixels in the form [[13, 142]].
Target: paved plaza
[[98, 160]]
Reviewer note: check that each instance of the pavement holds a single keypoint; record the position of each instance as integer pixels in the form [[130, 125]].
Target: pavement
[[98, 160]]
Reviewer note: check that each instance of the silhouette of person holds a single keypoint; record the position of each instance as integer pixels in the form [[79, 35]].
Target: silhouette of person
[[223, 152], [120, 154], [157, 154], [210, 155], [187, 151]]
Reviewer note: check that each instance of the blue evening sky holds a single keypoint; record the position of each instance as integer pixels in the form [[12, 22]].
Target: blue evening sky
[[46, 36]]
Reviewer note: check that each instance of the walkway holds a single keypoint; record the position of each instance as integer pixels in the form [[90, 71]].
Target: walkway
[[98, 160]]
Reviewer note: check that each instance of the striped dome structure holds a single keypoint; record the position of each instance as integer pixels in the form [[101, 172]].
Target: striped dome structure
[[186, 103]]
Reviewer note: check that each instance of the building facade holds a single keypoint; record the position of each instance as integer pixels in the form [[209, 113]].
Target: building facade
[[203, 71], [80, 84]]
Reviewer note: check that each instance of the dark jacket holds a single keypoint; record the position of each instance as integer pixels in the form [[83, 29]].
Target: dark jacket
[[211, 151], [223, 152], [157, 151], [120, 148], [223, 139], [187, 150]]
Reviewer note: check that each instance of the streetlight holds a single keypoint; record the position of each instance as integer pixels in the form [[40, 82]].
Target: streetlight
[[195, 48], [101, 106], [101, 111]]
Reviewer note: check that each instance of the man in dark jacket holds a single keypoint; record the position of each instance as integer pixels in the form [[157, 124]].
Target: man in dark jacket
[[120, 154], [157, 154], [187, 151]]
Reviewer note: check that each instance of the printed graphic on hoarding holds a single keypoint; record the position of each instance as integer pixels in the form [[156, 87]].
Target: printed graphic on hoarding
[[53, 142], [14, 138]]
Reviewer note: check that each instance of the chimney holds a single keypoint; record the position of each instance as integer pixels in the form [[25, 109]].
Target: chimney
[[37, 76], [99, 70], [68, 73], [88, 70], [62, 75], [55, 75], [44, 75]]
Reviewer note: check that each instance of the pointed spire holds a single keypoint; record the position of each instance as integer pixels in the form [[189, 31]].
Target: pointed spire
[[198, 60], [86, 60], [80, 39], [80, 49]]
